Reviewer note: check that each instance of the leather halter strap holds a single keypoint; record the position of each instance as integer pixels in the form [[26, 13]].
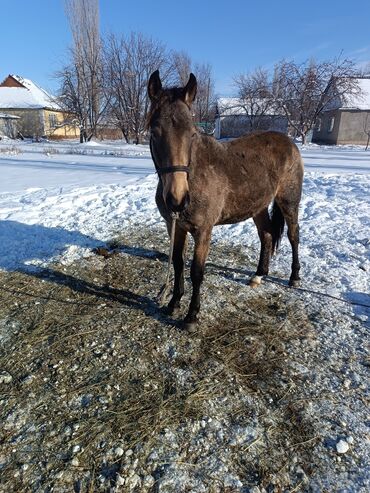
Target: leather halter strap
[[168, 169], [173, 169]]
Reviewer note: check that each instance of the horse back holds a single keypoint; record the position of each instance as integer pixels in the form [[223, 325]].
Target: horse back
[[251, 170], [266, 152]]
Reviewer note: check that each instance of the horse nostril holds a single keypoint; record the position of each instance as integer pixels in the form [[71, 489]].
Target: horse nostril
[[176, 206], [172, 204], [186, 200]]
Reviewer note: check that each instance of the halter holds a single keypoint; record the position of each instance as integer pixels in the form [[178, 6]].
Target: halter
[[168, 169], [172, 169]]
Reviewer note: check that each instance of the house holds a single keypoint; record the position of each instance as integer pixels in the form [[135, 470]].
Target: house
[[39, 113], [346, 122], [8, 125], [236, 117]]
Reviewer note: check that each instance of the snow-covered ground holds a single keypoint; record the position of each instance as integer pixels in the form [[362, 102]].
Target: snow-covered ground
[[46, 165], [61, 199], [336, 159]]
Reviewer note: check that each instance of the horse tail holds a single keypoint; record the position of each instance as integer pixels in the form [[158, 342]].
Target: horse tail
[[278, 221]]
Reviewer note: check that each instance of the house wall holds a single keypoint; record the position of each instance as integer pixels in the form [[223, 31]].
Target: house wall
[[8, 127], [30, 123], [322, 132], [353, 124], [238, 125], [38, 123], [218, 127], [55, 128], [349, 127]]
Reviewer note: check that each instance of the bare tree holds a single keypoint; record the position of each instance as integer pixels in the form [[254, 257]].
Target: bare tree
[[255, 94], [182, 66], [205, 102], [73, 98], [364, 71], [81, 79], [366, 127], [129, 62], [304, 91]]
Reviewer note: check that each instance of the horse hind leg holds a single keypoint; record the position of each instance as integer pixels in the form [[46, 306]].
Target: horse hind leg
[[293, 235], [289, 209], [265, 232]]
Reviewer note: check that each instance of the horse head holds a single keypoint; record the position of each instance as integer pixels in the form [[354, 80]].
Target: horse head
[[171, 133]]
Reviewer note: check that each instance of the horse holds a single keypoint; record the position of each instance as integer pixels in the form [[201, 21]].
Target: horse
[[208, 183]]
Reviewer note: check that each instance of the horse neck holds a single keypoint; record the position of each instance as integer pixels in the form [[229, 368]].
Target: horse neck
[[205, 151]]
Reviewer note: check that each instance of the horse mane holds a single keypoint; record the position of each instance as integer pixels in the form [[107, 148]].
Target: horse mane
[[168, 95]]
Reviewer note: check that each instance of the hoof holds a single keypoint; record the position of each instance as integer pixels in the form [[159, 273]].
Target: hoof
[[294, 283], [189, 325], [255, 281], [172, 310], [166, 310]]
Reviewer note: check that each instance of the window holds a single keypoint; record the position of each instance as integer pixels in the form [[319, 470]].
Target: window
[[53, 121], [318, 125], [331, 124]]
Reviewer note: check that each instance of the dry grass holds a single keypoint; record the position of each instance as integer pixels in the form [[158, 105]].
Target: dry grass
[[95, 364]]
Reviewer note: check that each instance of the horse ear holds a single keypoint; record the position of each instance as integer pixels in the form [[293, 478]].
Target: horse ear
[[190, 90], [154, 85]]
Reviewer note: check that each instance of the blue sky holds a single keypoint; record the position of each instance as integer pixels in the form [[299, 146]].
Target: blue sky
[[234, 36]]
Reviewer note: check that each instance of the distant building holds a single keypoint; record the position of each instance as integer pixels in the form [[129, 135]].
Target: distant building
[[346, 122], [235, 117], [39, 113], [8, 125]]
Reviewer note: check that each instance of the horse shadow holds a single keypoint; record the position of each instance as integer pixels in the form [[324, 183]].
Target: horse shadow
[[24, 247], [361, 305], [360, 301], [28, 249], [234, 274]]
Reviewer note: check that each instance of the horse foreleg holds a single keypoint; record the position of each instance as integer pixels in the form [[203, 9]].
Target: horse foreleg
[[178, 265], [201, 249], [264, 227]]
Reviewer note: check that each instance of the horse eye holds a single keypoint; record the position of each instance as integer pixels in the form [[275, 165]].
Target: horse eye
[[155, 133], [156, 129]]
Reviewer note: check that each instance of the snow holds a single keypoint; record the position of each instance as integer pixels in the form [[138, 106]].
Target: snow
[[19, 98], [11, 117], [347, 159], [361, 101], [30, 96], [29, 171]]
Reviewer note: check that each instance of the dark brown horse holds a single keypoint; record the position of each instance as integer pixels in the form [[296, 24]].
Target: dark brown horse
[[210, 183]]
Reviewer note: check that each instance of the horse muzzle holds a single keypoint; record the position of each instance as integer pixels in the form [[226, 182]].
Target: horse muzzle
[[175, 205]]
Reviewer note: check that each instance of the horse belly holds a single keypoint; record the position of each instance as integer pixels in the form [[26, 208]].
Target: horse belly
[[233, 219], [241, 206]]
